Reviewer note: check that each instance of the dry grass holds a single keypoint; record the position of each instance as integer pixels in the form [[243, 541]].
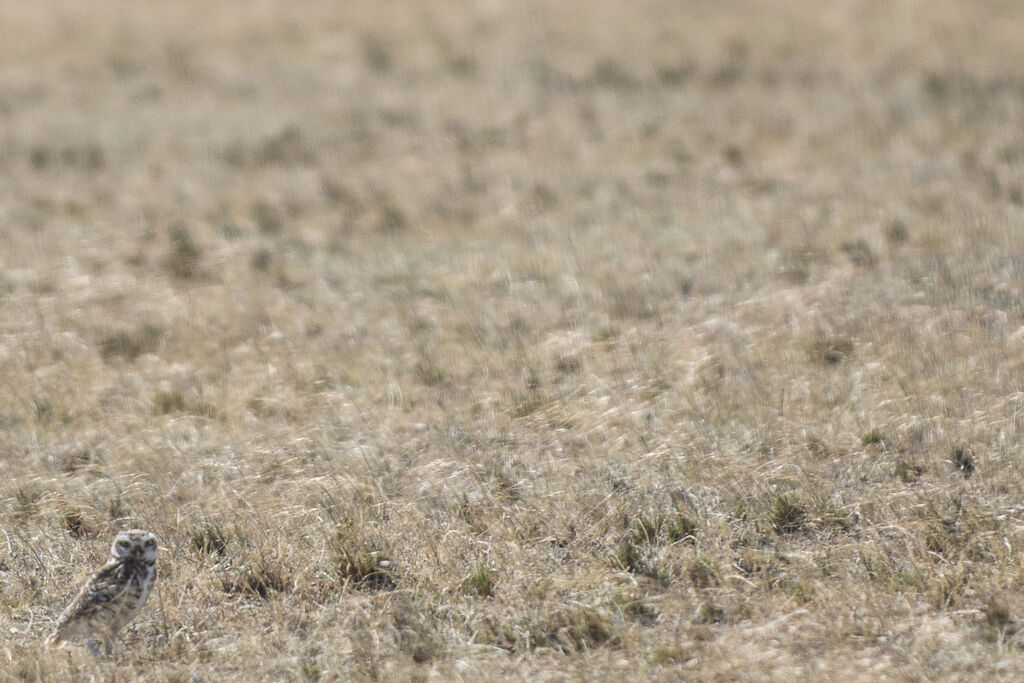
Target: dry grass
[[587, 339]]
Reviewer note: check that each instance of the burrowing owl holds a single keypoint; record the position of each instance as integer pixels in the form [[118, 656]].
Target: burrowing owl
[[114, 594]]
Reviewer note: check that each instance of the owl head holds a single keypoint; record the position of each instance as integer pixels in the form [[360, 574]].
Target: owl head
[[136, 545]]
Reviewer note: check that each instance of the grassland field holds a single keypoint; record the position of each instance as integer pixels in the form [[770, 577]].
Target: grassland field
[[483, 340]]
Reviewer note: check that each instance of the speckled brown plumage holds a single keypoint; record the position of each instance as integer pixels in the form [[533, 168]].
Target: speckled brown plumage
[[114, 594]]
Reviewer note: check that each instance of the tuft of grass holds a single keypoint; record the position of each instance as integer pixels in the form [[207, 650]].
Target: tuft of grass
[[74, 521], [480, 582], [117, 508], [310, 671], [645, 530], [209, 539], [177, 400], [364, 566], [875, 436], [963, 460], [788, 514], [577, 630], [682, 528], [259, 577]]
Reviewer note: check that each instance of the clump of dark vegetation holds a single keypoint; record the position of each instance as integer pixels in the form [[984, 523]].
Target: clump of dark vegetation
[[391, 219], [480, 582], [259, 577], [908, 472], [87, 156], [77, 456], [287, 147], [788, 514], [74, 521], [209, 539], [830, 349], [568, 631], [577, 629], [637, 559], [177, 400], [364, 565], [875, 436], [859, 252], [963, 460], [183, 258], [657, 530], [681, 528], [130, 343], [896, 232]]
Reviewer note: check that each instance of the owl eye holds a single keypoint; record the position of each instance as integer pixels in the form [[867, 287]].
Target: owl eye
[[124, 544], [150, 543]]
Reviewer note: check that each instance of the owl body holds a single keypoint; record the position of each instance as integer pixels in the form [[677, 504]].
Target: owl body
[[114, 594]]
